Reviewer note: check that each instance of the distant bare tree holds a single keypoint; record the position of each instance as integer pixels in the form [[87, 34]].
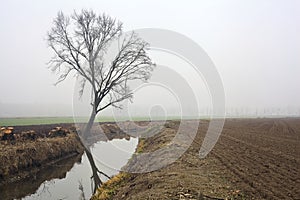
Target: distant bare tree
[[80, 43]]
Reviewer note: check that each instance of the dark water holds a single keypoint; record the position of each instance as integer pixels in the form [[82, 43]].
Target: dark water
[[63, 180]]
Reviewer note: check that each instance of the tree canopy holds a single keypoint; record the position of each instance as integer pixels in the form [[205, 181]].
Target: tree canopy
[[80, 43]]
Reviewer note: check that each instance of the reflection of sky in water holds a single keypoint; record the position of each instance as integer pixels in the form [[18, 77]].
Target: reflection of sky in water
[[109, 157]]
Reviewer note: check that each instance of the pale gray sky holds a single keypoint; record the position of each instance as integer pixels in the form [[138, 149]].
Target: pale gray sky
[[254, 44]]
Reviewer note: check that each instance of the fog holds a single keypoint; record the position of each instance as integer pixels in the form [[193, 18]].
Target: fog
[[254, 45]]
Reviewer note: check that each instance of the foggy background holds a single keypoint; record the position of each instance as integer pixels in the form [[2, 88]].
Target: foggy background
[[255, 46]]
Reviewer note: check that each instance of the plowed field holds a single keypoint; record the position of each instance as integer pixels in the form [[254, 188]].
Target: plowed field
[[253, 159]]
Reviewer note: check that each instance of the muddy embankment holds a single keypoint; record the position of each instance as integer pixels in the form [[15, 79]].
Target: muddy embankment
[[33, 148], [36, 178], [26, 150], [189, 177], [253, 159]]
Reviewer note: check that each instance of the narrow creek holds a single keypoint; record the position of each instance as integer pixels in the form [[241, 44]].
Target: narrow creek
[[71, 178]]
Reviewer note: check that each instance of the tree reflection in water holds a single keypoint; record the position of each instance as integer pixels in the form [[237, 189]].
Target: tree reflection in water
[[58, 181], [95, 171]]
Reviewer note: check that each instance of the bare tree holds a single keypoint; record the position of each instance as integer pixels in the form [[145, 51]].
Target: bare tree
[[80, 43]]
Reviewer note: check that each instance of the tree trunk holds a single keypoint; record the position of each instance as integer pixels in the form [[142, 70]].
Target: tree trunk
[[87, 130], [86, 133]]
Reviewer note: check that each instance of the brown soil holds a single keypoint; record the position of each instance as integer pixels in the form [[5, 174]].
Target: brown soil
[[21, 158], [41, 130], [253, 159]]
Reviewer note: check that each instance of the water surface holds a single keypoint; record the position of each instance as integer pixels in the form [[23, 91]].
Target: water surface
[[63, 180]]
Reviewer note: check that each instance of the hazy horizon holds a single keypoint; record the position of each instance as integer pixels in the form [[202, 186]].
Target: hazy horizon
[[254, 45], [60, 110]]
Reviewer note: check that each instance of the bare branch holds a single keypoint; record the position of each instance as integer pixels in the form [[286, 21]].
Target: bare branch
[[81, 41]]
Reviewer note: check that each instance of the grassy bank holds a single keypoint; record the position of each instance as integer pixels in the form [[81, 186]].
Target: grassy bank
[[17, 160], [21, 121]]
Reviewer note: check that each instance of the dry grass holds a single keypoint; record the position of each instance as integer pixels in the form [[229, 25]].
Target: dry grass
[[141, 145], [24, 155], [108, 188]]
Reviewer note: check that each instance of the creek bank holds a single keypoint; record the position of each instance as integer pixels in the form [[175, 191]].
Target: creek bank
[[37, 178], [189, 177], [24, 158]]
